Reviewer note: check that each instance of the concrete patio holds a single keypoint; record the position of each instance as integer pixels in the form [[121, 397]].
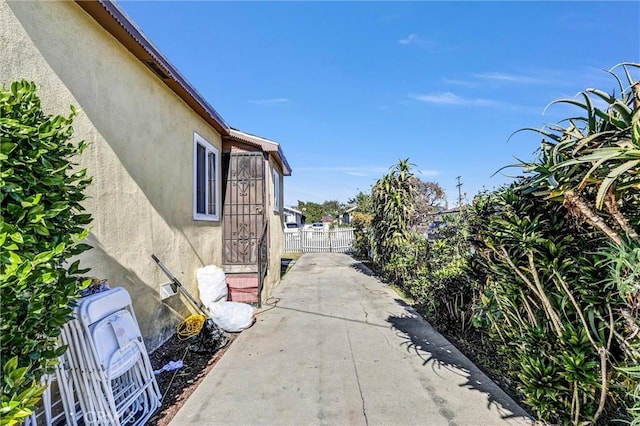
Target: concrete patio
[[338, 347]]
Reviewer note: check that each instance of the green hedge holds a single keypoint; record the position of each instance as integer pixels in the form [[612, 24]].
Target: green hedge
[[41, 227]]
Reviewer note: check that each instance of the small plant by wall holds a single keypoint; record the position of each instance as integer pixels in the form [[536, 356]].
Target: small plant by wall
[[41, 227]]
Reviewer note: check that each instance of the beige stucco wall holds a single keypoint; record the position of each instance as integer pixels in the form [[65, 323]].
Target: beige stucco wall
[[140, 153]]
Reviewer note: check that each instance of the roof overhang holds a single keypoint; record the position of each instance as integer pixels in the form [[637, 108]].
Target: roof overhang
[[109, 15], [115, 21], [291, 209], [265, 145]]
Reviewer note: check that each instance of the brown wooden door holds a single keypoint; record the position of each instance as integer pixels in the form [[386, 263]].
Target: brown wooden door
[[243, 207]]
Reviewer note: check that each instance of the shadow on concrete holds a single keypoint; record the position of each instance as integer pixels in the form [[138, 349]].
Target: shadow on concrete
[[331, 316], [435, 351], [285, 265], [361, 267]]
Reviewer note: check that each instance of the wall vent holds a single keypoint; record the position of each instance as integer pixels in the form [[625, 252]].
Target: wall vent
[[156, 69]]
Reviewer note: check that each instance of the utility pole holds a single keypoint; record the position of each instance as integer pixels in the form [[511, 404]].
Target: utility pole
[[459, 185]]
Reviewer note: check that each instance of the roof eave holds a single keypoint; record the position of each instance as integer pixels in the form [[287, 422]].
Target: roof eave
[[109, 15], [265, 145], [291, 209]]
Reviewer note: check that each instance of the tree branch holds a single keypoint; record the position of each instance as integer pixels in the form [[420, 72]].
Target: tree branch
[[546, 303], [574, 202], [601, 350], [612, 207]]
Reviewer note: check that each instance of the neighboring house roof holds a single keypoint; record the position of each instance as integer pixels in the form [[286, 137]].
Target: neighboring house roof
[[444, 212], [265, 144], [450, 211], [291, 209], [350, 209]]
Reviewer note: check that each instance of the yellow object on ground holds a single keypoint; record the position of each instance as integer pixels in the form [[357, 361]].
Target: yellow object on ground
[[191, 326]]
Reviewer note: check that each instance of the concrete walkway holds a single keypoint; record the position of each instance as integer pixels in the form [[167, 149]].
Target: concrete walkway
[[340, 348]]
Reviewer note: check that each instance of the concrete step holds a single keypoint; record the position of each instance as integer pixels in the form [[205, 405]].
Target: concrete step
[[243, 288]]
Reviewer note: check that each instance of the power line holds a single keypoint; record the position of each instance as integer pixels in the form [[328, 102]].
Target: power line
[[459, 185]]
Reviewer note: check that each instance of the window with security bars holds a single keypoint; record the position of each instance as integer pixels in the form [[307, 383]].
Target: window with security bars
[[206, 177]]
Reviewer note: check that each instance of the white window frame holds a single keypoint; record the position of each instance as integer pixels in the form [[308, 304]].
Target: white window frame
[[214, 215], [277, 192]]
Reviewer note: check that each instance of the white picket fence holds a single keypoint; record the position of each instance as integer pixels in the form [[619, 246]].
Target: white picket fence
[[319, 241]]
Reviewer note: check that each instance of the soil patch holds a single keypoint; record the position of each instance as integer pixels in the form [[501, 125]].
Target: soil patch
[[177, 385]]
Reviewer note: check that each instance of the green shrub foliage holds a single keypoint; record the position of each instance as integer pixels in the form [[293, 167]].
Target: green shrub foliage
[[442, 287], [541, 281], [392, 200], [41, 227], [361, 222], [546, 270]]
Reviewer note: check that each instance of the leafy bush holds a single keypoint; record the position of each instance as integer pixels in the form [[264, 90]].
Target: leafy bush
[[444, 291], [407, 262], [591, 164], [543, 300], [392, 204], [549, 266], [41, 227], [361, 222], [559, 250]]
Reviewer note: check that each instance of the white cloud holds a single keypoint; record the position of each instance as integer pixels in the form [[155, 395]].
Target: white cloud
[[409, 39], [478, 79], [275, 101], [509, 78], [448, 98], [416, 40], [464, 83], [375, 172], [359, 171]]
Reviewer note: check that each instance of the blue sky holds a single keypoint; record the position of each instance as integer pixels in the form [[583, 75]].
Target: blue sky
[[350, 88]]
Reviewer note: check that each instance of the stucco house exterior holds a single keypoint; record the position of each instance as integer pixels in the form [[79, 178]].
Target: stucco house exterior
[[160, 155], [292, 215], [347, 215], [254, 168]]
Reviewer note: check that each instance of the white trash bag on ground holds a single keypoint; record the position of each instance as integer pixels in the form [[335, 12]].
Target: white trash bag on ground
[[212, 284], [232, 317]]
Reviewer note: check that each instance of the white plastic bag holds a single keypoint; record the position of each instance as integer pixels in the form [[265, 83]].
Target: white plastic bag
[[212, 284], [231, 316]]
